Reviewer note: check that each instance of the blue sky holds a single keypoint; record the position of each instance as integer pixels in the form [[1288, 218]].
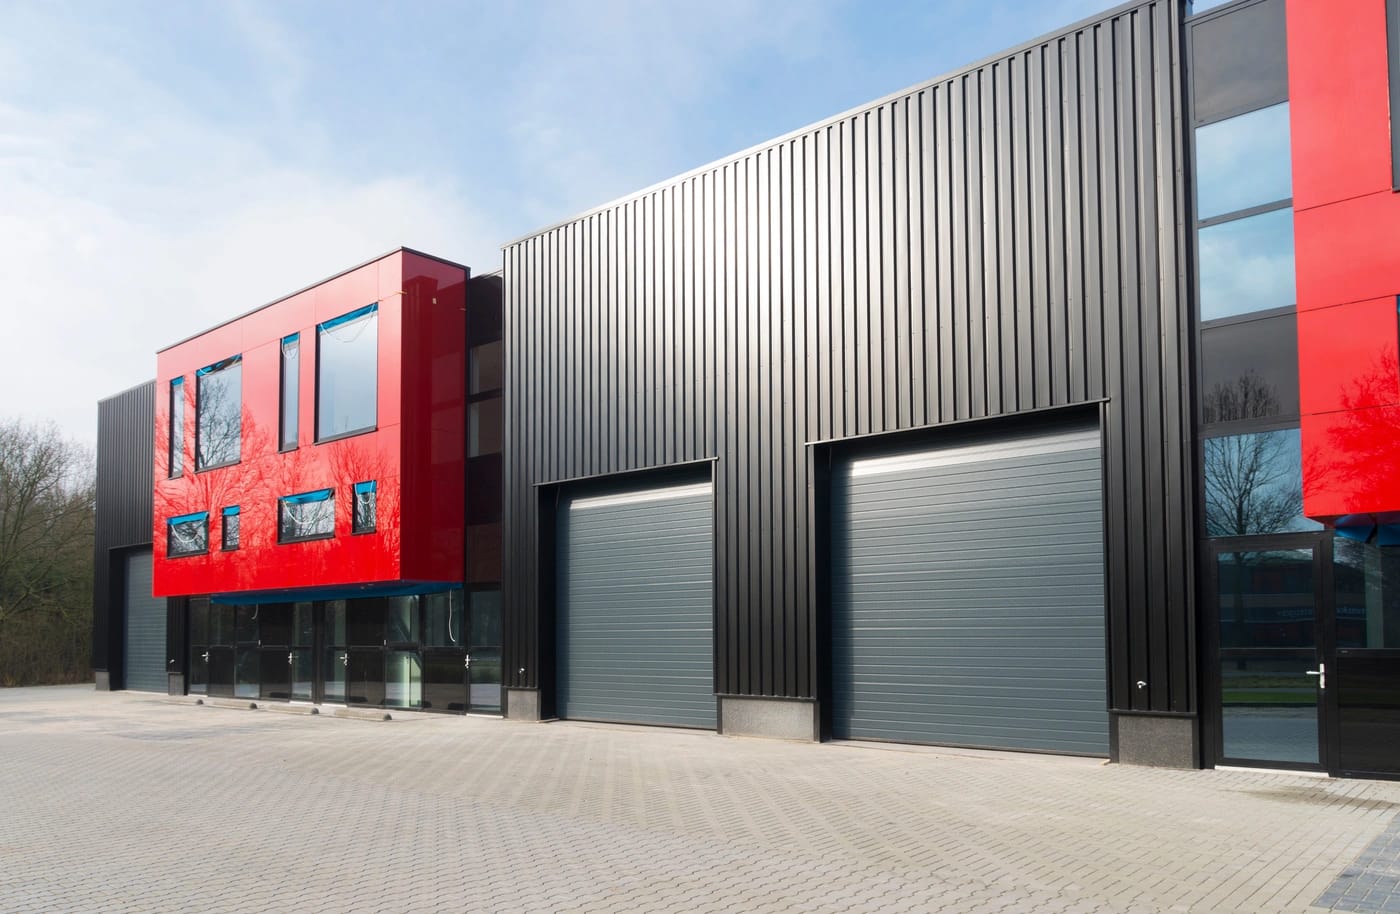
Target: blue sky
[[166, 165]]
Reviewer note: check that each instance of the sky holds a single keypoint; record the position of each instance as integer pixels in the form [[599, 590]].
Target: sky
[[165, 166]]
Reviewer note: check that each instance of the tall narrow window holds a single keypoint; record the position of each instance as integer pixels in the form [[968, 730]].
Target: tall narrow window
[[1392, 33], [366, 509], [218, 410], [177, 427], [187, 534], [231, 524], [307, 516], [291, 390], [347, 369]]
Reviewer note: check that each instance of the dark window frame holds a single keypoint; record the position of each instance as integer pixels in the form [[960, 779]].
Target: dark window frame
[[221, 365], [349, 316], [326, 495], [200, 517], [1392, 47], [370, 488], [175, 444], [231, 511], [282, 445]]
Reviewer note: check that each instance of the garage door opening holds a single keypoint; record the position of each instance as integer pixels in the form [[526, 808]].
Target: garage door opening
[[968, 594]]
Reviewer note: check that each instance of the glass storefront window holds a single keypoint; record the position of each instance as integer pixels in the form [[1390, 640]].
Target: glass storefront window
[[1366, 582], [402, 619], [1243, 161], [1254, 484], [403, 680], [443, 619], [1247, 265]]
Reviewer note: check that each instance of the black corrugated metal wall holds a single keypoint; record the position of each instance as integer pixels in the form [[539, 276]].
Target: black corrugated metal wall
[[125, 427], [1005, 239]]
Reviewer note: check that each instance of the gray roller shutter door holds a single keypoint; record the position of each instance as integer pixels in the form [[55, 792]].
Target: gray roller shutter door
[[145, 628], [636, 607], [968, 595]]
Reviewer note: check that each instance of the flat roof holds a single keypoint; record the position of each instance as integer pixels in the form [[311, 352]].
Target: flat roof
[[319, 282]]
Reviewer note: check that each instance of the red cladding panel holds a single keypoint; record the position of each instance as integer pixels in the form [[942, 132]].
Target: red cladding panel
[[1348, 264], [1339, 100], [264, 474]]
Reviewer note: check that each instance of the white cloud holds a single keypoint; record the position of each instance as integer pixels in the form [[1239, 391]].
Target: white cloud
[[125, 229]]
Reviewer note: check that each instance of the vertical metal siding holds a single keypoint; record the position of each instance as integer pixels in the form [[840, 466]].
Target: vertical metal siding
[[125, 435], [1004, 239]]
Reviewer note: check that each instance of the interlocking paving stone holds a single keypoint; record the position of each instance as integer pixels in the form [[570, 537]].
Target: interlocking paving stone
[[1372, 881], [119, 801]]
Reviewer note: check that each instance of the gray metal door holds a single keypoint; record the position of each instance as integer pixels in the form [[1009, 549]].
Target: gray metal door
[[145, 628], [635, 606], [968, 595]]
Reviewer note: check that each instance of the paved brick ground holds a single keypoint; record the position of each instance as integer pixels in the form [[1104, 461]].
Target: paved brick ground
[[121, 802]]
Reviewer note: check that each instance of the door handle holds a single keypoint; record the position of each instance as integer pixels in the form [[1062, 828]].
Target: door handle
[[467, 661], [289, 658], [1320, 673], [205, 655], [345, 659]]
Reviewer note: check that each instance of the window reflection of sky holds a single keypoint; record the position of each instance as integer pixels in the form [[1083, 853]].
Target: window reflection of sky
[[1254, 484], [1242, 162], [1247, 265]]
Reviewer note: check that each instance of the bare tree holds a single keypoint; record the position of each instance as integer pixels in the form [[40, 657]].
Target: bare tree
[[46, 529]]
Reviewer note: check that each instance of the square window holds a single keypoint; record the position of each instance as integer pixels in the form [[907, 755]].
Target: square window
[[1243, 162], [366, 509], [347, 374], [231, 525], [187, 534], [218, 410], [306, 516]]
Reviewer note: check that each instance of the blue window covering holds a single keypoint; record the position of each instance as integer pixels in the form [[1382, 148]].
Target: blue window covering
[[306, 515], [232, 509], [225, 363], [347, 318], [305, 497], [366, 513], [187, 534]]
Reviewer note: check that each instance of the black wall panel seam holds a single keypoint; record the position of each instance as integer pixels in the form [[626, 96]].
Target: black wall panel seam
[[1004, 240]]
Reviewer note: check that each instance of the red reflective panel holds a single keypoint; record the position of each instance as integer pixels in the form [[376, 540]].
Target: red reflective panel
[[418, 533]]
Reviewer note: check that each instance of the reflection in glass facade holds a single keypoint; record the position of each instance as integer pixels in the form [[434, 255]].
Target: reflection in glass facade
[[402, 651], [1268, 642], [1366, 586], [187, 534], [1243, 161], [1247, 265], [177, 427], [1249, 369], [306, 516], [218, 410], [1254, 484], [291, 391], [347, 373]]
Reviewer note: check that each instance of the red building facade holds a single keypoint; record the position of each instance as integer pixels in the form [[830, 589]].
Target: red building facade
[[1347, 220], [397, 434]]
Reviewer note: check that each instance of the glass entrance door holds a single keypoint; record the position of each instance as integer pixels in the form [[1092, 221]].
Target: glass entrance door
[[1271, 649]]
